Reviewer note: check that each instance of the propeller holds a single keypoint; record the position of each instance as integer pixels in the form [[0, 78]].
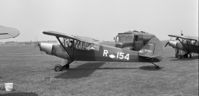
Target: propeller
[[166, 44], [37, 45]]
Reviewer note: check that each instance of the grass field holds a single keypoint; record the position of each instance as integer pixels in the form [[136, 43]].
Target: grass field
[[32, 74]]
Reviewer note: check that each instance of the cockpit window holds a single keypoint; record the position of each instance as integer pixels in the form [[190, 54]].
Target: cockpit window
[[66, 42], [84, 45], [77, 44]]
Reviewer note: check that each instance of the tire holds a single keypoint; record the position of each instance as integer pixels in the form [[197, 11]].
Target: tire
[[58, 68]]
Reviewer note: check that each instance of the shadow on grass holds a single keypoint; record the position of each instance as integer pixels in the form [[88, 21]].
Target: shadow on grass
[[150, 68], [20, 94], [184, 59], [86, 69], [83, 70]]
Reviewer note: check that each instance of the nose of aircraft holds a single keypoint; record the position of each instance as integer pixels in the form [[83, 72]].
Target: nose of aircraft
[[173, 43], [46, 47]]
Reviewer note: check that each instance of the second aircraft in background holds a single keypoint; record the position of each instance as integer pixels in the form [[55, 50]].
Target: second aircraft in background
[[184, 45]]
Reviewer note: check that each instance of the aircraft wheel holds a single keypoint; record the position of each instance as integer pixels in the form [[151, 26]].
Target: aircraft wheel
[[58, 68], [186, 55], [177, 56]]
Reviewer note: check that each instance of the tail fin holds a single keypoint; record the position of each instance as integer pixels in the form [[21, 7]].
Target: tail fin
[[152, 49]]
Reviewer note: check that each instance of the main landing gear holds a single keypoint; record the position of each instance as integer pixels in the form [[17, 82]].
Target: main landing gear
[[60, 67]]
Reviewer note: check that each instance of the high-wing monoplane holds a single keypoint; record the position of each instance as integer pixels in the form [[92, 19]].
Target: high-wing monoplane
[[8, 32], [76, 48], [184, 45]]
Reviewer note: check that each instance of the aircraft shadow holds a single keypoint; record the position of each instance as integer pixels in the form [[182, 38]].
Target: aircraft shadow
[[86, 69], [20, 94], [83, 70], [150, 68], [185, 59]]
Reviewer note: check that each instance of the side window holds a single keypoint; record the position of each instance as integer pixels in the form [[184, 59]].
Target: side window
[[80, 45], [90, 46], [66, 42]]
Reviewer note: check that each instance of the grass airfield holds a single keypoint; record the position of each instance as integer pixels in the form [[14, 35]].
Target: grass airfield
[[33, 75]]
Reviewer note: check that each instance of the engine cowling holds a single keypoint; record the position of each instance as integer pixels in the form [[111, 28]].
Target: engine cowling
[[52, 49]]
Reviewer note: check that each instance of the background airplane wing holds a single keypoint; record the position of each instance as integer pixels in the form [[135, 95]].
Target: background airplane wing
[[185, 37], [8, 32], [191, 38]]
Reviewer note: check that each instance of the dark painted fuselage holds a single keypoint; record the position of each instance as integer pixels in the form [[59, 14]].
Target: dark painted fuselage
[[95, 53]]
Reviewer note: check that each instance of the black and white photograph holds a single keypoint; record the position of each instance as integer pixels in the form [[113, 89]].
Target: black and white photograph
[[99, 48]]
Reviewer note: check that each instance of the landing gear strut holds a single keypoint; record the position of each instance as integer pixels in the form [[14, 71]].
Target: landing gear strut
[[59, 67]]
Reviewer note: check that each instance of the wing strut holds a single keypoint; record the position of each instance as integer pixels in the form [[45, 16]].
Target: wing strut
[[62, 46]]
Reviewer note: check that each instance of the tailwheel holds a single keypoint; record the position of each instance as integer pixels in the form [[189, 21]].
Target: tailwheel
[[156, 66], [58, 68]]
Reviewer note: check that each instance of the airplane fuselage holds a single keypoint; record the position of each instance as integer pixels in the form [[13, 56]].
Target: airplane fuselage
[[73, 48], [96, 53]]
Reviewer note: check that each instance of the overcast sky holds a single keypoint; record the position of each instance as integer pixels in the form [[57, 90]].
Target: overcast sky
[[100, 19]]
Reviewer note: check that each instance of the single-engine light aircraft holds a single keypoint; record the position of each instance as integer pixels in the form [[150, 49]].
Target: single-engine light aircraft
[[76, 48], [8, 32], [184, 45]]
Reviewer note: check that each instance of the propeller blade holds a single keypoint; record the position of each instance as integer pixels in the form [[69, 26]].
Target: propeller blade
[[38, 46], [166, 44]]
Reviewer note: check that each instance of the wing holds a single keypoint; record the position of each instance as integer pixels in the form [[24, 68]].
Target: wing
[[8, 32], [79, 38], [191, 38], [185, 37], [87, 39]]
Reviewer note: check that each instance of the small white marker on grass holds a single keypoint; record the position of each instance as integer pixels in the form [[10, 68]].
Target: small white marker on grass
[[8, 87]]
